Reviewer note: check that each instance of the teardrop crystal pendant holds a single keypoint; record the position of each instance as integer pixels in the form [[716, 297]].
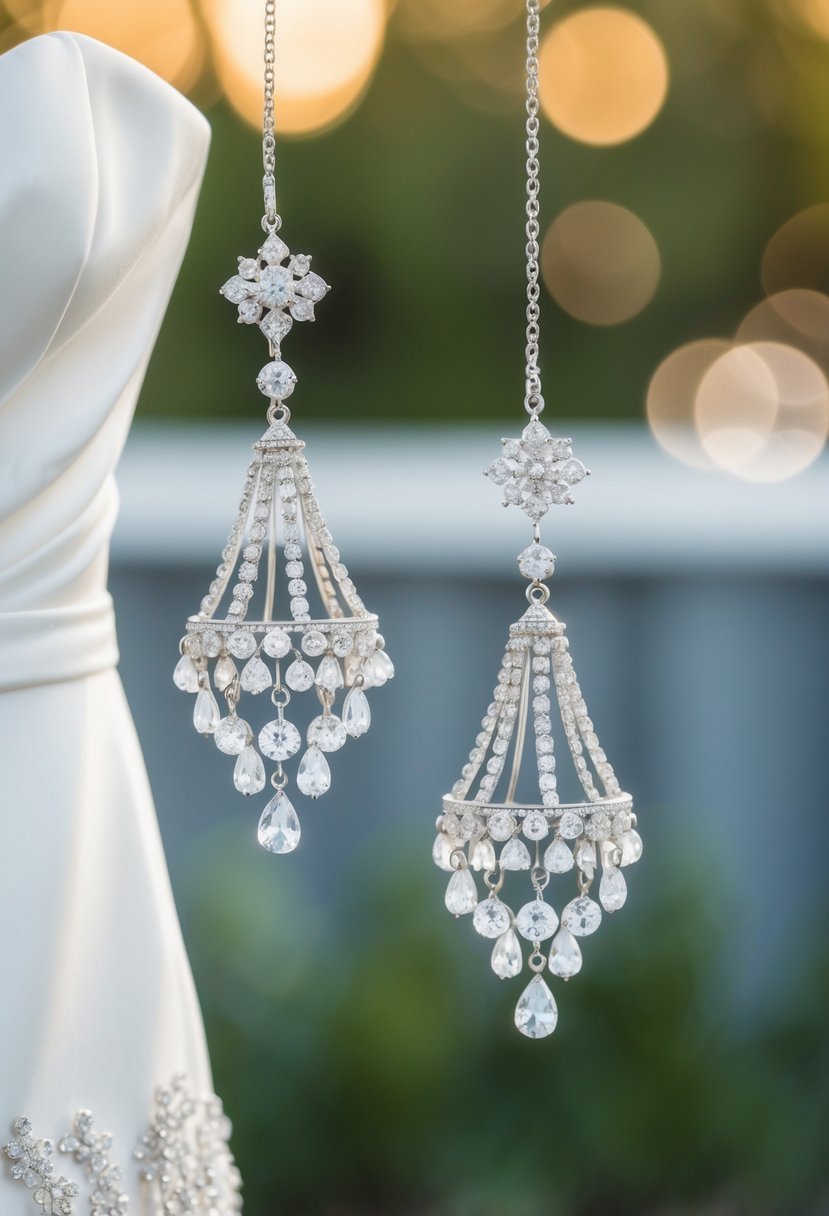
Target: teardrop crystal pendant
[[282, 617], [486, 826]]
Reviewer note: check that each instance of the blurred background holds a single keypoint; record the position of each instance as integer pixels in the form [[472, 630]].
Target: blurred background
[[363, 1047]]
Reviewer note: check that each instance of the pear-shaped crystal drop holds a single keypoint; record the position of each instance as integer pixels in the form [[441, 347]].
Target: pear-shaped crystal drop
[[279, 826], [536, 1013], [185, 675], [206, 712], [631, 845], [383, 666], [515, 855], [442, 851], [482, 855], [313, 776], [356, 713], [299, 676], [329, 674], [613, 890], [565, 955], [224, 673], [557, 857], [461, 894], [249, 772], [507, 959], [255, 676]]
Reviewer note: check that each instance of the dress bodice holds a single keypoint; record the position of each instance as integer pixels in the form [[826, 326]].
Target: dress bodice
[[102, 163]]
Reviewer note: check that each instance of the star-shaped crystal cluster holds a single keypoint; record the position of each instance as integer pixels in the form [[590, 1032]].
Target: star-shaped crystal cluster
[[30, 1163], [271, 295], [536, 471]]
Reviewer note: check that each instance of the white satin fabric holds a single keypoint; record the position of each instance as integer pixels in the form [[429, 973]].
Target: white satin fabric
[[101, 168]]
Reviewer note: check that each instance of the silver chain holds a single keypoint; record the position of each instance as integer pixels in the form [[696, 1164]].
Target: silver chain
[[533, 401], [270, 220]]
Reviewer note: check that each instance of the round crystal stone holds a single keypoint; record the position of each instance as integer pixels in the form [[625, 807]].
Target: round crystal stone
[[582, 916], [279, 740], [276, 380], [231, 735], [501, 825], [535, 825], [536, 921], [249, 312], [241, 644], [536, 562], [327, 732], [314, 643], [211, 644], [276, 287], [277, 643], [570, 825], [597, 826], [491, 917], [341, 645]]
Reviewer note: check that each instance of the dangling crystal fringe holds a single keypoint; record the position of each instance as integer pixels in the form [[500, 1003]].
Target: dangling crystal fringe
[[535, 669], [279, 506]]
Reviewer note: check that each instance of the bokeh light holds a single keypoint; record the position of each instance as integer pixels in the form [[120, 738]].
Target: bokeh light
[[798, 253], [34, 16], [814, 14], [326, 52], [435, 20], [600, 262], [671, 398], [162, 34], [603, 75], [796, 318], [762, 411]]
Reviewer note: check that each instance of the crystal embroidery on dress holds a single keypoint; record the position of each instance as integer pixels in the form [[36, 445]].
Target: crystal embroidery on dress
[[184, 1162]]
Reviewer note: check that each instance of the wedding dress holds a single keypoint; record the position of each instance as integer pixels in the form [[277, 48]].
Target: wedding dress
[[102, 164]]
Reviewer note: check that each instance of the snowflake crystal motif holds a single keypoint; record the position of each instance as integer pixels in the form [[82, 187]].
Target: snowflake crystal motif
[[91, 1149], [536, 471], [189, 1169], [271, 295], [31, 1165]]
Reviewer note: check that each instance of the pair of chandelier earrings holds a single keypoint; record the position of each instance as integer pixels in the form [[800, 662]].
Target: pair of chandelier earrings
[[282, 617]]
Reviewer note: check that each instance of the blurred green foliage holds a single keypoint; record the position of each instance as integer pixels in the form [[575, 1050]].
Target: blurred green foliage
[[413, 210], [367, 1056]]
